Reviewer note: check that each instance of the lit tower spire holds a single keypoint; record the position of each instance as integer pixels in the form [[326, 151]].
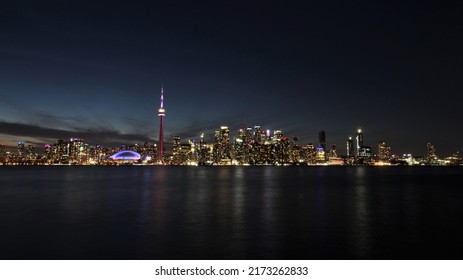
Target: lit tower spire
[[161, 114]]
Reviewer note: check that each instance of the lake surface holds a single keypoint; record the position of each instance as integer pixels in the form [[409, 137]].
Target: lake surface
[[157, 212]]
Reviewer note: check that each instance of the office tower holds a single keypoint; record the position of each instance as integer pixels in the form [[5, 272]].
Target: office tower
[[203, 152], [225, 143], [222, 146], [76, 148], [60, 151], [176, 150], [248, 136], [161, 114], [257, 134], [239, 146], [359, 141], [21, 147], [310, 154], [282, 151], [350, 147], [384, 151], [322, 140]]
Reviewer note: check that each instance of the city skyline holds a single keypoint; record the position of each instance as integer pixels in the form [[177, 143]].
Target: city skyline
[[93, 71], [228, 145]]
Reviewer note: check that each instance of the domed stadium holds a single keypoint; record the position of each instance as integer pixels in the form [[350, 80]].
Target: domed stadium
[[126, 156]]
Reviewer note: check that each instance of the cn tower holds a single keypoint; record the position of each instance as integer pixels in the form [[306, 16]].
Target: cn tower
[[161, 114]]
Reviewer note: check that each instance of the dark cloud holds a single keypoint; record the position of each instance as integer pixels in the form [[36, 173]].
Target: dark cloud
[[104, 137]]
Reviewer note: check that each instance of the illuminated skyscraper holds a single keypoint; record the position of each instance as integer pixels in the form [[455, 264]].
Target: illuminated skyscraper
[[257, 134], [350, 147], [161, 114], [222, 146], [176, 150], [384, 151], [310, 153], [21, 148], [76, 147], [359, 141]]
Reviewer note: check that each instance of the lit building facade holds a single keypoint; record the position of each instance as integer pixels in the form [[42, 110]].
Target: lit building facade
[[222, 152], [350, 148], [384, 151], [176, 150], [359, 142]]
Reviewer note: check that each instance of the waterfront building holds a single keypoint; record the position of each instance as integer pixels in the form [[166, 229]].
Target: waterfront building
[[125, 157]]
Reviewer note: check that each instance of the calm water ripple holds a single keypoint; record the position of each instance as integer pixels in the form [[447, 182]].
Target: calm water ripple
[[142, 212]]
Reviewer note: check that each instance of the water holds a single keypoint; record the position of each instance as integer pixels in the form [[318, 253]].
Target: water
[[141, 212]]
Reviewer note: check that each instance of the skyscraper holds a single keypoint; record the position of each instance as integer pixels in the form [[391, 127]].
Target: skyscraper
[[350, 147], [322, 140], [176, 150], [359, 140], [384, 151], [222, 146], [161, 114]]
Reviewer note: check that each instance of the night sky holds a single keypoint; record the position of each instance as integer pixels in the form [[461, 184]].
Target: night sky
[[94, 70]]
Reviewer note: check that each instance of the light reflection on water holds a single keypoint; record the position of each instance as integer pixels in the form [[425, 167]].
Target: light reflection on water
[[229, 213]]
